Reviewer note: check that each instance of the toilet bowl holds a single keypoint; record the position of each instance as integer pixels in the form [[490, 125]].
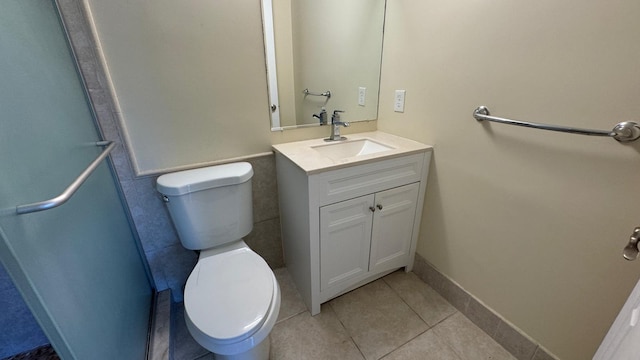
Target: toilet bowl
[[231, 298], [233, 315]]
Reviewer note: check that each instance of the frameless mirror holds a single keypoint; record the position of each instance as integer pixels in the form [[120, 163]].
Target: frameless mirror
[[322, 54]]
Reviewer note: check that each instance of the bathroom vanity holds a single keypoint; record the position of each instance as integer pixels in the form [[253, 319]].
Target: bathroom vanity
[[350, 210]]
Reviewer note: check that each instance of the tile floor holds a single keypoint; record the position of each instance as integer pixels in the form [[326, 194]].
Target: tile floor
[[394, 318]]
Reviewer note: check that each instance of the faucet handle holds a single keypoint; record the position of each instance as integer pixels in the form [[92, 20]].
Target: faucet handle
[[322, 116], [336, 115]]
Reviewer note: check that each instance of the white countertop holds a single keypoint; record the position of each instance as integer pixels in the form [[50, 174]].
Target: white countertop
[[304, 156]]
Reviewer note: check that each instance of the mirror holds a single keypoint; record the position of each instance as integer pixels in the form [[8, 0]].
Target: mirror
[[322, 54]]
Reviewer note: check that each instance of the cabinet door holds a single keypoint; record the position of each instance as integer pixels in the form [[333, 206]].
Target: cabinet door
[[393, 227], [345, 235]]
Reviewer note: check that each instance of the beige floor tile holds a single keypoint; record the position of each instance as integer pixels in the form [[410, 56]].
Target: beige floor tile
[[306, 337], [425, 301], [377, 319], [427, 346], [468, 341], [291, 303]]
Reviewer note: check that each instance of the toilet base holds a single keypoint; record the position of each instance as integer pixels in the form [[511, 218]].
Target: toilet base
[[259, 352]]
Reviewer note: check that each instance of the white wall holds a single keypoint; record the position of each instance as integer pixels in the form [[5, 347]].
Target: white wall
[[532, 223], [186, 75], [190, 79]]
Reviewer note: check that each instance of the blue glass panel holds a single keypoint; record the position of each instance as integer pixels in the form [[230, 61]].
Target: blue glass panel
[[77, 265]]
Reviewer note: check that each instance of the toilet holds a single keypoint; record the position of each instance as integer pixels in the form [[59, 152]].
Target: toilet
[[232, 298]]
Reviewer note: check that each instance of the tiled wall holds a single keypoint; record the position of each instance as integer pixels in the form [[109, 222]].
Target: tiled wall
[[170, 263]]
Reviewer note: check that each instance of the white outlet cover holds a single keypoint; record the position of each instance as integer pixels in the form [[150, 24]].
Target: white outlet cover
[[398, 102], [362, 95]]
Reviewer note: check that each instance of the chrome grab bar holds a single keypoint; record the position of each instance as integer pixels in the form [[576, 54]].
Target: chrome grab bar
[[69, 191], [623, 132], [326, 93]]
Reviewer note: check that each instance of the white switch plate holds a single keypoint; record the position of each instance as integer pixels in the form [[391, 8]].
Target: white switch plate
[[398, 103], [362, 95]]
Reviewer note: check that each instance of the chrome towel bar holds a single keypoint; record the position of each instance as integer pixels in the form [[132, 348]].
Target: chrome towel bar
[[69, 191], [623, 132], [326, 93]]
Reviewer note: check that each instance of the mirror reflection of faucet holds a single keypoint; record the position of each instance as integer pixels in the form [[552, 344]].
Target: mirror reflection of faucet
[[630, 252], [335, 126], [322, 116]]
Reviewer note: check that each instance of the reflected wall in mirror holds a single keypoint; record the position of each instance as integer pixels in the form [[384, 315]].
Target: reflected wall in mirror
[[329, 45]]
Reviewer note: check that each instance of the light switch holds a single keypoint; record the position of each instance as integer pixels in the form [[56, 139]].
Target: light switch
[[362, 95], [398, 103]]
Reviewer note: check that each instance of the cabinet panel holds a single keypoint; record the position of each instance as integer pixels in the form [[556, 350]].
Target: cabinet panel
[[393, 227], [347, 183], [345, 233]]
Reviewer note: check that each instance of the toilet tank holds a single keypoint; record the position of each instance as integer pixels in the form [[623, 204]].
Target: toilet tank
[[209, 206]]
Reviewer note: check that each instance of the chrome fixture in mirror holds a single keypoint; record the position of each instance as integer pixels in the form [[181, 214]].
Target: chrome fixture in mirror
[[630, 252], [322, 54]]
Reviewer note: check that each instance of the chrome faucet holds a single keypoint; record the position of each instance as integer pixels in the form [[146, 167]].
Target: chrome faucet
[[335, 126], [322, 116]]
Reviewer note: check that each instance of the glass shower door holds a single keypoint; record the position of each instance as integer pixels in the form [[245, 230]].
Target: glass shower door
[[77, 265]]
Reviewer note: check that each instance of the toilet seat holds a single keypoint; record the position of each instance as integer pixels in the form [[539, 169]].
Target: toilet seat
[[229, 295]]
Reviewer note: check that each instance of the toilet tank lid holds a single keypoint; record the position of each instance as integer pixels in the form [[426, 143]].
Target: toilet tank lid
[[188, 181]]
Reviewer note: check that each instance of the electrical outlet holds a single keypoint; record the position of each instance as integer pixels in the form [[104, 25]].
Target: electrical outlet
[[398, 103], [362, 95]]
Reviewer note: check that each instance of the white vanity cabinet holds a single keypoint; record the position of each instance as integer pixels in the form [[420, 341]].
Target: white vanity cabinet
[[368, 234], [347, 225]]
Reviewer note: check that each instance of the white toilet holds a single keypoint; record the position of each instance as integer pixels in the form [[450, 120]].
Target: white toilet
[[231, 298]]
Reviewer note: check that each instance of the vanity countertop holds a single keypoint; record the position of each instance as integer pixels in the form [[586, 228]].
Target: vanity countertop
[[303, 154]]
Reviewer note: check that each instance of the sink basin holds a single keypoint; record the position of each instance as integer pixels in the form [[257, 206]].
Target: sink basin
[[351, 148], [317, 155]]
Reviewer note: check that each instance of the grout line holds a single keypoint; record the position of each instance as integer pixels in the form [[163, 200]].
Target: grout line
[[356, 345], [409, 306], [405, 343], [290, 280], [447, 317], [277, 216], [449, 345], [345, 330], [429, 327], [292, 316], [535, 351]]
